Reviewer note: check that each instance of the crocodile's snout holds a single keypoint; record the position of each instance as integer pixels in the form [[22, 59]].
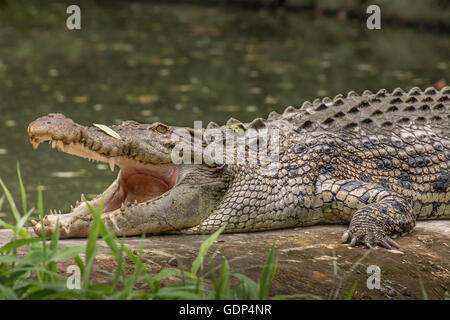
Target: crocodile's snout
[[54, 126]]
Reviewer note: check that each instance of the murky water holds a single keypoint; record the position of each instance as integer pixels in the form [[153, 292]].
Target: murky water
[[177, 64]]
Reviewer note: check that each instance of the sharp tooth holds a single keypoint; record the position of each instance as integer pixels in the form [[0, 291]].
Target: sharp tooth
[[135, 202], [111, 164], [35, 144], [83, 198], [54, 144], [71, 207], [122, 207]]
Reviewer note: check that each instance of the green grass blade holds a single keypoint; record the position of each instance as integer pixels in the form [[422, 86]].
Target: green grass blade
[[247, 290], [223, 284], [24, 219], [17, 244], [204, 247], [296, 296], [40, 204], [422, 288], [22, 189], [11, 202], [79, 262], [20, 231], [91, 247], [187, 292], [351, 292], [67, 253], [7, 293], [2, 200], [166, 273], [267, 275]]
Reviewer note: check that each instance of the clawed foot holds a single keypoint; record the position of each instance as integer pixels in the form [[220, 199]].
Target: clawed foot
[[368, 238]]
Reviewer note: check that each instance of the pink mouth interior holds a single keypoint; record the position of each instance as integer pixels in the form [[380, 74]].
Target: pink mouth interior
[[141, 184]]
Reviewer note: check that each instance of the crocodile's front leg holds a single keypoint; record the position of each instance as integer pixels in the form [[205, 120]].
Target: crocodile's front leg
[[375, 213]]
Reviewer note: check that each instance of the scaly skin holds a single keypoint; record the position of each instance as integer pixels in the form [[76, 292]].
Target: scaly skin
[[377, 161]]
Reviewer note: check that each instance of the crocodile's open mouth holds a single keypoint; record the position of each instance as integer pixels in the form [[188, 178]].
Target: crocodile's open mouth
[[137, 182]]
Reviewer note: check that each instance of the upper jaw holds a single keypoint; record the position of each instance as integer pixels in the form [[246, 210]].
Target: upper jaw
[[130, 141], [139, 179]]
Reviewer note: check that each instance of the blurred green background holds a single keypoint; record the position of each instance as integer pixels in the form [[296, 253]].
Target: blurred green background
[[182, 61]]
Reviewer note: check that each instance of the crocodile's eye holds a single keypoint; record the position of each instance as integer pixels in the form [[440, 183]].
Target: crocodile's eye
[[161, 128]]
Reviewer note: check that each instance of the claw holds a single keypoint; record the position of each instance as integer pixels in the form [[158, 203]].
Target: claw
[[385, 244], [34, 222], [369, 238], [392, 243], [345, 236]]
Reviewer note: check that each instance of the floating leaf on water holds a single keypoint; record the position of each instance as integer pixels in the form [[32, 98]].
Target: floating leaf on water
[[98, 107], [66, 174], [81, 99], [322, 93], [101, 166], [255, 90], [230, 108], [10, 123], [270, 100], [164, 72], [148, 98], [182, 88], [108, 131], [442, 65], [36, 188], [364, 67], [439, 84], [146, 113], [53, 72]]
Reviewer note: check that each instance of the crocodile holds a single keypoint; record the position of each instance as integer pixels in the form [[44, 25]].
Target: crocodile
[[376, 162]]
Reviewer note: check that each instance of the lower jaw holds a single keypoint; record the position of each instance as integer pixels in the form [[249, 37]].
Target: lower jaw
[[134, 185]]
